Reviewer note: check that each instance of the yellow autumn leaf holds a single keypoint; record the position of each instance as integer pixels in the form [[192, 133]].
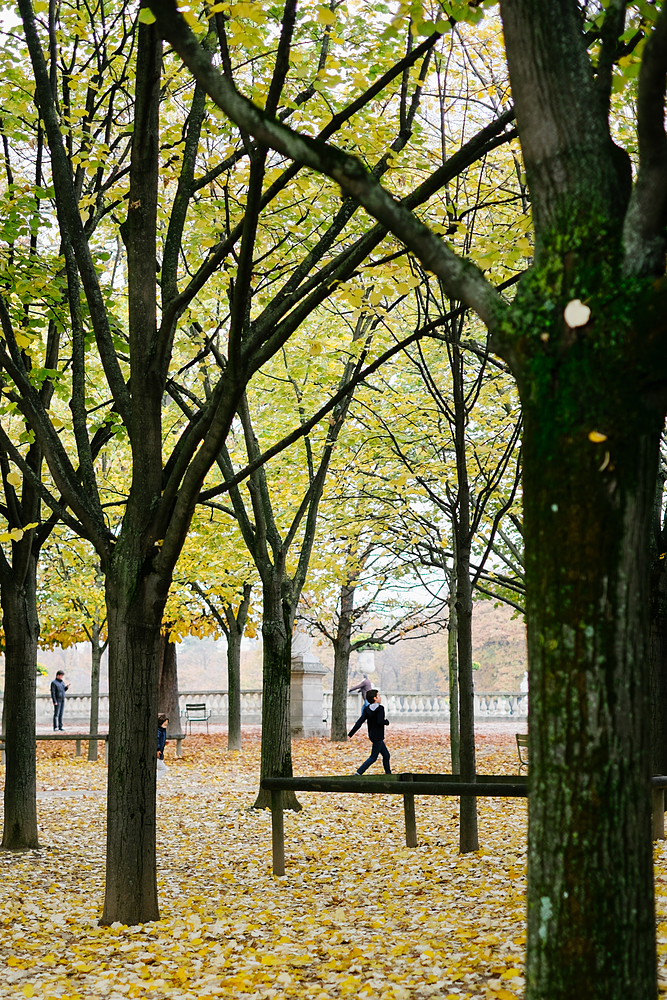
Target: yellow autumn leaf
[[189, 18], [597, 437], [14, 479], [325, 16]]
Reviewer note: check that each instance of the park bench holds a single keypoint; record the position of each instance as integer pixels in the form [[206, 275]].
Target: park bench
[[522, 749], [494, 785], [196, 712]]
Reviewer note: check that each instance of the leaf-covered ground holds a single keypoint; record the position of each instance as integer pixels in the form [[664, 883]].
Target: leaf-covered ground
[[357, 915]]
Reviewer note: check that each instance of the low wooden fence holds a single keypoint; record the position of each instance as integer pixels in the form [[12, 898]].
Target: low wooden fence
[[501, 786]]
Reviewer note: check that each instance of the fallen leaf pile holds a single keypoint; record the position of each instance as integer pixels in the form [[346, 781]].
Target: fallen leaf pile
[[357, 914]]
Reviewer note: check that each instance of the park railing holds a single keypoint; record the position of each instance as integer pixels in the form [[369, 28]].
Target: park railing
[[429, 706], [401, 706]]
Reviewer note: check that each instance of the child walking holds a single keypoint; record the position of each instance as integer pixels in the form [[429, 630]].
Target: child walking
[[373, 716], [162, 721]]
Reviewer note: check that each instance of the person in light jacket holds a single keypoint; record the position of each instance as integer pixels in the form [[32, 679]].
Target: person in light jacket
[[373, 716], [58, 688]]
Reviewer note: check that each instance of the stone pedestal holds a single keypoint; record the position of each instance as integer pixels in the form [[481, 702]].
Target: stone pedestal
[[306, 695]]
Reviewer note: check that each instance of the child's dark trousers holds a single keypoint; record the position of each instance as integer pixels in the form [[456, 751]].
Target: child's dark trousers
[[379, 747]]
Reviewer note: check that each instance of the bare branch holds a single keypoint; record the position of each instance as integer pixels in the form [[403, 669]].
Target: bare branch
[[462, 278]]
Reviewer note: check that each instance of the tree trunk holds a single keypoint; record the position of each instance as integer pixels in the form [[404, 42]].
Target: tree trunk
[[587, 511], [95, 658], [134, 666], [234, 689], [21, 627], [277, 674], [658, 633], [233, 625], [167, 701], [468, 837], [452, 658], [342, 646]]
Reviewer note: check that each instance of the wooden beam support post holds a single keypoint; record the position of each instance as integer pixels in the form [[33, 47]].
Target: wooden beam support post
[[658, 803], [410, 818], [277, 832]]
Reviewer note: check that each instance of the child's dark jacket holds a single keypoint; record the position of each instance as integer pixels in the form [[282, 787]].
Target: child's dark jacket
[[161, 739], [373, 716]]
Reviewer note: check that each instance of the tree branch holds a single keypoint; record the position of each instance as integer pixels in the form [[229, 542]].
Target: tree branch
[[462, 278], [644, 230]]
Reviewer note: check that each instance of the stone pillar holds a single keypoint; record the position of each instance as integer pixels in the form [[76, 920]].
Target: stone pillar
[[306, 690]]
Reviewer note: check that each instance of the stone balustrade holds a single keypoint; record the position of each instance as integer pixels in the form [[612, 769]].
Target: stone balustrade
[[411, 706], [401, 706]]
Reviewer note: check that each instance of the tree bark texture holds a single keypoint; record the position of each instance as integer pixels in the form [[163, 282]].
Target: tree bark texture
[[593, 400], [590, 897], [468, 835], [277, 672], [168, 688], [234, 689], [21, 627], [452, 659], [658, 632], [342, 645], [95, 659], [136, 591], [134, 667], [234, 624]]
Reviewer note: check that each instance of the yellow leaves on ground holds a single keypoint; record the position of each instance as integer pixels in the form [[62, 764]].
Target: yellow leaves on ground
[[357, 914]]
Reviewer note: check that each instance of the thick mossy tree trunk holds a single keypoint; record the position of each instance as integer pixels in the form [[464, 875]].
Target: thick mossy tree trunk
[[21, 628], [585, 337], [167, 700], [342, 645], [658, 632], [96, 649], [277, 623], [587, 512]]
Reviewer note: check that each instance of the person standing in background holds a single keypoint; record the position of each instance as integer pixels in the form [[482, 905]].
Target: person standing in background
[[58, 688], [364, 687]]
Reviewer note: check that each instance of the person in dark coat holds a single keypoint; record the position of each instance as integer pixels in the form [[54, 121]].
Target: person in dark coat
[[58, 688], [162, 723], [373, 716]]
